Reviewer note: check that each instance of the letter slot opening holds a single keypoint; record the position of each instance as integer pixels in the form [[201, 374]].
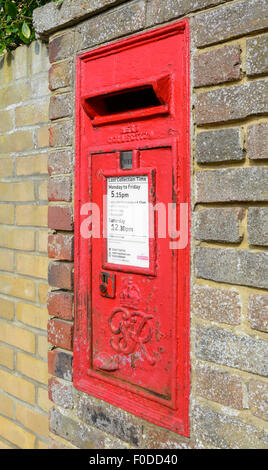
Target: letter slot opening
[[126, 100], [131, 102]]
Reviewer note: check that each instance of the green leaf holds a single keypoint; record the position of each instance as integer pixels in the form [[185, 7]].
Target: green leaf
[[23, 38], [11, 9], [26, 30]]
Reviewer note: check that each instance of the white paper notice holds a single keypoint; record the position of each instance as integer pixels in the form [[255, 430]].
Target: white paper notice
[[128, 221]]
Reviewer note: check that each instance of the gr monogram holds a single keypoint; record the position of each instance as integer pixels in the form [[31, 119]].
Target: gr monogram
[[131, 331]]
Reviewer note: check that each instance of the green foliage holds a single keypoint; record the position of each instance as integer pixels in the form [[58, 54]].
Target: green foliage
[[16, 22]]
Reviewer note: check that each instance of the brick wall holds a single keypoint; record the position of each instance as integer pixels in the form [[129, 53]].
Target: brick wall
[[229, 231], [230, 301], [24, 103]]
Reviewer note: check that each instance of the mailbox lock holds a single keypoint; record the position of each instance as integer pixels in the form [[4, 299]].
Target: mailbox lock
[[107, 285], [103, 288]]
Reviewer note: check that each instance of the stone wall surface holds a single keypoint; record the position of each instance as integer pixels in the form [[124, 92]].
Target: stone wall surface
[[229, 316], [24, 119]]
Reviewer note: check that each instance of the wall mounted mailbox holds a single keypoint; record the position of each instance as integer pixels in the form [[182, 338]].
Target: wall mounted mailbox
[[131, 345]]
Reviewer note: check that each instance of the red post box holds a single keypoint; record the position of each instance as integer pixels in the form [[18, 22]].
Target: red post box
[[131, 344]]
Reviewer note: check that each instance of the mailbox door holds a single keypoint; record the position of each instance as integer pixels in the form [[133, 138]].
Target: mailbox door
[[133, 272], [132, 281]]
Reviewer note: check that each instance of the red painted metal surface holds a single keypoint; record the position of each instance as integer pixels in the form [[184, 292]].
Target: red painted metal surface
[[131, 344]]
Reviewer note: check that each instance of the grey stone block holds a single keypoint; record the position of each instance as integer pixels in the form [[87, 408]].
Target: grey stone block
[[156, 437], [242, 267], [232, 103], [257, 55], [257, 141], [232, 184], [160, 11], [50, 17], [258, 398], [79, 434], [230, 21], [240, 352], [219, 224], [110, 419], [124, 20], [226, 432], [61, 393], [258, 312], [60, 162], [219, 146], [257, 223]]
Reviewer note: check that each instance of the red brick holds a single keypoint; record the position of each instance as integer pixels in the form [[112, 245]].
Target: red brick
[[60, 304], [60, 189], [61, 134], [61, 246], [217, 66], [60, 274], [60, 333], [220, 305], [61, 47], [60, 75], [60, 106], [60, 218], [219, 386], [60, 364]]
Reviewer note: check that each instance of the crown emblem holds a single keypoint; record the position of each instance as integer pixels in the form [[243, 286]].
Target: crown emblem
[[130, 296]]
